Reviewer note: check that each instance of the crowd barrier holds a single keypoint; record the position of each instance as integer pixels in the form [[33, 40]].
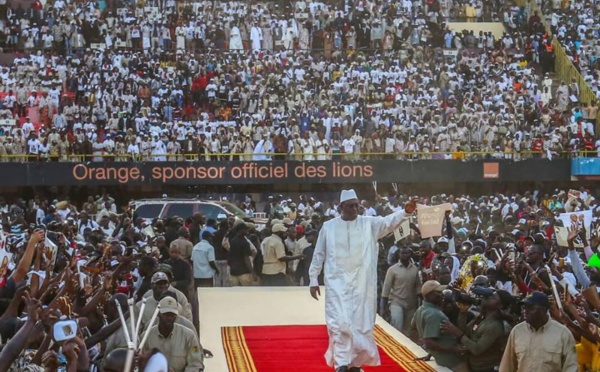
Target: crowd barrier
[[563, 66], [404, 156]]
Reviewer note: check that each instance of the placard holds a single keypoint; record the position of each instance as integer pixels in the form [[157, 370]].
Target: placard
[[431, 219], [576, 220], [403, 231], [152, 12], [5, 259], [97, 46], [7, 122], [52, 250]]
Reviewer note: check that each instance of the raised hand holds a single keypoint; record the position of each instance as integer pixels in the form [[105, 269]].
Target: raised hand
[[71, 352], [411, 206], [33, 307], [37, 236]]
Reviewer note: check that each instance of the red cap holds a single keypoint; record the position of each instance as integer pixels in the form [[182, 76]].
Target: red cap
[[299, 229]]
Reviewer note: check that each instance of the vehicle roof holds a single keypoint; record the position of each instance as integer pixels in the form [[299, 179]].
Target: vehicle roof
[[179, 200]]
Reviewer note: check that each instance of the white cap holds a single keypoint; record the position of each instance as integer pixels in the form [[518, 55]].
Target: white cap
[[157, 363], [347, 195]]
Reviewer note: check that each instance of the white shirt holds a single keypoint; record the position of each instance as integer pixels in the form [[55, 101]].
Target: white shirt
[[34, 146], [133, 149], [90, 223], [348, 145], [202, 254], [27, 128], [39, 216]]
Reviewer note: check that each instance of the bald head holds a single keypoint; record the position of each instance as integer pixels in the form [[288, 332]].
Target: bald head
[[115, 361], [184, 232]]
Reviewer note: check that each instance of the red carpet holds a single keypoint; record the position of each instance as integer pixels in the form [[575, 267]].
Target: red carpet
[[301, 348]]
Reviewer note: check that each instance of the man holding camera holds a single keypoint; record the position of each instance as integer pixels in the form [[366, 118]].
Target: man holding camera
[[428, 322], [483, 336]]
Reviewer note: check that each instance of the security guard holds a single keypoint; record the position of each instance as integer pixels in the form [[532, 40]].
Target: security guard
[[160, 285], [179, 344]]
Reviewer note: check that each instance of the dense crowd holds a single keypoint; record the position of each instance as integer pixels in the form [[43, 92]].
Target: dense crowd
[[575, 26], [105, 82], [62, 262]]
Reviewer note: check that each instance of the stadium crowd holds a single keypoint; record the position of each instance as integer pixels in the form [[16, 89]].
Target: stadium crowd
[[577, 30], [495, 253], [114, 81]]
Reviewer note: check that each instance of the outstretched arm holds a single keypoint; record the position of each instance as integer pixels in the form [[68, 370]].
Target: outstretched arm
[[383, 226]]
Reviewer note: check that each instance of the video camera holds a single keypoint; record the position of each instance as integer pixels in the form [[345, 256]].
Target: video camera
[[475, 297]]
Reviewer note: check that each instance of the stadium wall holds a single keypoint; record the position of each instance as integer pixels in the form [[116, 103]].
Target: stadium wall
[[34, 174]]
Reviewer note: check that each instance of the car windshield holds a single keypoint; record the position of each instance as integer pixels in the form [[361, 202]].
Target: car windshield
[[233, 209], [149, 210]]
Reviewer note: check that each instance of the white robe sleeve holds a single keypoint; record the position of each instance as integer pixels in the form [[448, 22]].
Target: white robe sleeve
[[316, 265], [383, 226]]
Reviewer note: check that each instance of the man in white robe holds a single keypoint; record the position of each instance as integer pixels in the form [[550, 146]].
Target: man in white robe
[[235, 39], [347, 245], [256, 36]]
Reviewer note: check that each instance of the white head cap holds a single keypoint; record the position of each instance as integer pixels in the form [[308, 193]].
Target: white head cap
[[347, 195]]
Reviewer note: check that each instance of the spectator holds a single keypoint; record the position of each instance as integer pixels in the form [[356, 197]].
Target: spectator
[[401, 289], [203, 258]]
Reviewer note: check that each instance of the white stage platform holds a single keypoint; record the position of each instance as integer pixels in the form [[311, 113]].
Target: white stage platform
[[252, 306]]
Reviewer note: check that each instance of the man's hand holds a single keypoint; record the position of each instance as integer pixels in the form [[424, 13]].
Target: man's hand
[[384, 312], [37, 335], [50, 360], [459, 349], [107, 282], [49, 316], [37, 236], [315, 292], [425, 358], [451, 329], [573, 233], [411, 206], [71, 352], [33, 307]]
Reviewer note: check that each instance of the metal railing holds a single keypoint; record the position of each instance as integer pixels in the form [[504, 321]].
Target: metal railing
[[358, 156], [564, 68]]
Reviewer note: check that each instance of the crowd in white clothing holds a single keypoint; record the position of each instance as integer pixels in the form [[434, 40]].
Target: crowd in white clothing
[[381, 80]]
